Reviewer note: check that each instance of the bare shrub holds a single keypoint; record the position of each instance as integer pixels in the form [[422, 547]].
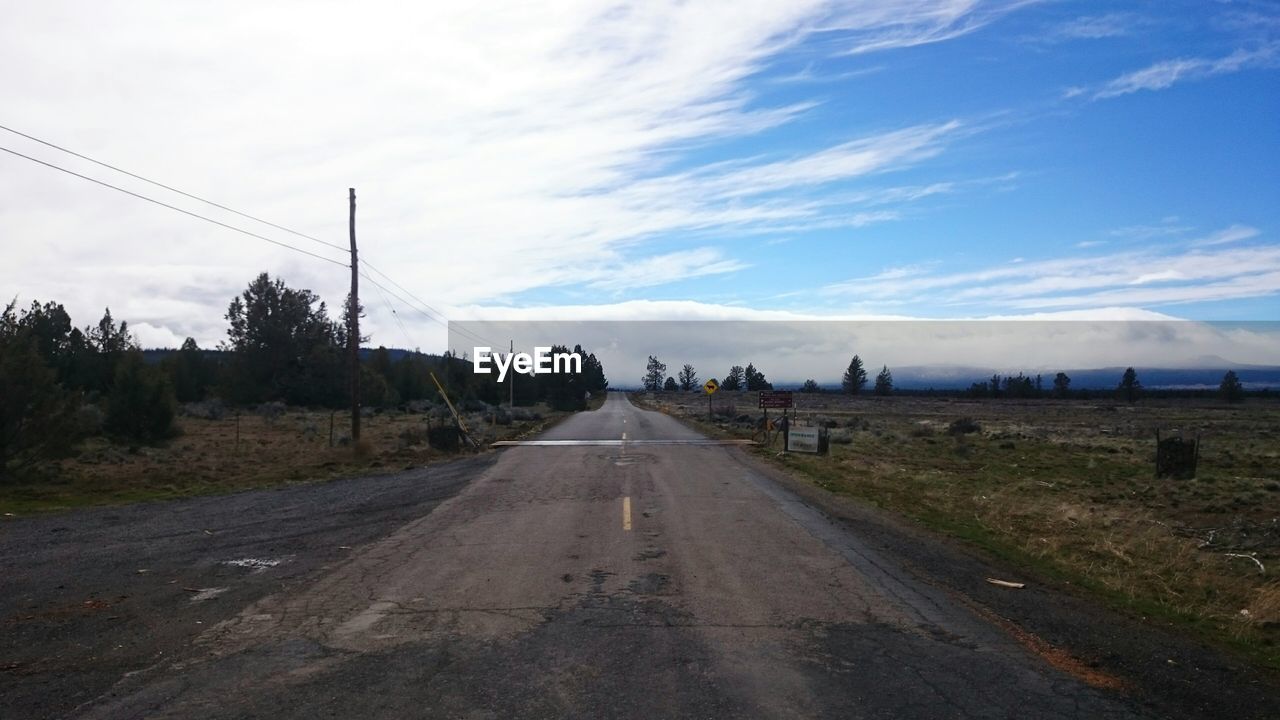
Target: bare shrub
[[413, 436], [88, 420], [840, 437], [444, 437], [964, 426], [525, 414], [1265, 607], [271, 411], [212, 409]]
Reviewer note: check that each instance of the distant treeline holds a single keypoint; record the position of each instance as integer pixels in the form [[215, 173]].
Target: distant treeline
[[856, 379], [60, 383]]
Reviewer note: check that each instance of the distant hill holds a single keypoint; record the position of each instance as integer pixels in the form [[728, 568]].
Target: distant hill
[[947, 377]]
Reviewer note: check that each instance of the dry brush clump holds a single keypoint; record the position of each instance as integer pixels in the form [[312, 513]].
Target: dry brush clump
[[964, 426]]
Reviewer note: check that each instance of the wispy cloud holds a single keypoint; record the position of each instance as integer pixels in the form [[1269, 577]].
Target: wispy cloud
[[810, 74], [1165, 228], [1195, 271], [1091, 27], [663, 269], [1233, 234], [884, 26], [1166, 73]]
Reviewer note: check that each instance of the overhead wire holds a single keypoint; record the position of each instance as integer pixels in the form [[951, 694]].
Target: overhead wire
[[170, 188], [396, 316], [453, 327], [174, 207], [430, 312]]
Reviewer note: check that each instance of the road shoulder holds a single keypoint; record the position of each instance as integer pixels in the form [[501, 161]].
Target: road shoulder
[[1157, 667]]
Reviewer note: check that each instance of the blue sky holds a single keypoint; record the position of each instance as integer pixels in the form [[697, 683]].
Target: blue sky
[[653, 160], [1056, 157]]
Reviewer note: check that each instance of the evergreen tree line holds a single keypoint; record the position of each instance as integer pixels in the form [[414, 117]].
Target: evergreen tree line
[[60, 383], [686, 380], [855, 379]]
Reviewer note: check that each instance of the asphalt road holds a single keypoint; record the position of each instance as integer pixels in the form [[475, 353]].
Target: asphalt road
[[633, 579]]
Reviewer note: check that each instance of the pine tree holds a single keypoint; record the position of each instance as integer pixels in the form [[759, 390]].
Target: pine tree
[[884, 382], [1231, 390], [754, 379], [140, 405], [855, 377], [190, 373], [36, 413], [1129, 387], [655, 370], [670, 385], [688, 378], [734, 380], [1061, 386]]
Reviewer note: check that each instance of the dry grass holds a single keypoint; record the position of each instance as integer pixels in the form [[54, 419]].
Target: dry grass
[[211, 456], [1067, 488]]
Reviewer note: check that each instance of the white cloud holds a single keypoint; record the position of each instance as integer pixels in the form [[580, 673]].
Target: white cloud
[[1164, 228], [1233, 234], [494, 150], [1192, 272], [1092, 27], [884, 26], [662, 269], [1166, 73]]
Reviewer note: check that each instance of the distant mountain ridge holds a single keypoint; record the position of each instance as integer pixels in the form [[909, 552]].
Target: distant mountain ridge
[[950, 377]]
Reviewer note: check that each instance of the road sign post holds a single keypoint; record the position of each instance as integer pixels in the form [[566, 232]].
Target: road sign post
[[778, 400], [710, 386]]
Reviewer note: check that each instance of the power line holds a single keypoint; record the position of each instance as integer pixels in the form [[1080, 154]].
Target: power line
[[387, 303], [173, 207], [171, 188], [443, 323], [404, 290], [439, 317]]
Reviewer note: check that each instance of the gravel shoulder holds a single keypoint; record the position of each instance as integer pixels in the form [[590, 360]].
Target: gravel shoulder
[[1158, 667], [94, 594]]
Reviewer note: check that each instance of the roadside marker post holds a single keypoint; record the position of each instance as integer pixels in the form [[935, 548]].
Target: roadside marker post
[[711, 386]]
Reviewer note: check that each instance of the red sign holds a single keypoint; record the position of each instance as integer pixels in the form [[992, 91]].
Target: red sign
[[775, 400]]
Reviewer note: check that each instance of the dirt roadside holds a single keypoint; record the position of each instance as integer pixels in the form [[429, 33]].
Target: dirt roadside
[[93, 594], [1162, 669]]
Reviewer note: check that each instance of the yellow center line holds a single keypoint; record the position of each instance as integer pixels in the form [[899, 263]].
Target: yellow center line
[[626, 513]]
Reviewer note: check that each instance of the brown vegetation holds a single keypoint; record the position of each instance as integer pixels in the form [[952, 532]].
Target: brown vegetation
[[1067, 488]]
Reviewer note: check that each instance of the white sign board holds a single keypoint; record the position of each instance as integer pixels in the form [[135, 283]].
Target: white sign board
[[802, 440]]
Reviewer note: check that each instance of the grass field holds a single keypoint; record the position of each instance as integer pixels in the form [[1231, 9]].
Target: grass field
[[284, 446], [1066, 490]]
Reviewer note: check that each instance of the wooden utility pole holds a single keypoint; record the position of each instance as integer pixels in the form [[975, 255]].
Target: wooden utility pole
[[353, 332]]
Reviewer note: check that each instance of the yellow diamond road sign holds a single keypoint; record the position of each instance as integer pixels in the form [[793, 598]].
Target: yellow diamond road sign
[[711, 386]]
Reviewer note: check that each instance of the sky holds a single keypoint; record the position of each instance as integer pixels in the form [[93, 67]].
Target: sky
[[658, 160]]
